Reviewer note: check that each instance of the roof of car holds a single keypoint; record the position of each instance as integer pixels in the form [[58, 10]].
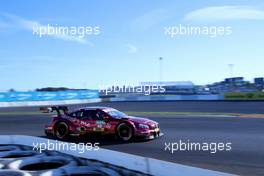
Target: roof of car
[[93, 108]]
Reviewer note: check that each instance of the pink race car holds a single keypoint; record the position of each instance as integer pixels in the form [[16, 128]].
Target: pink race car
[[102, 120]]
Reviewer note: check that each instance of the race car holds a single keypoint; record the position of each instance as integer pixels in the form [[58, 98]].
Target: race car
[[98, 120]]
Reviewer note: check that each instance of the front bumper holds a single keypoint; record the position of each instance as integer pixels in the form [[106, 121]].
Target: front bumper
[[49, 131], [148, 134]]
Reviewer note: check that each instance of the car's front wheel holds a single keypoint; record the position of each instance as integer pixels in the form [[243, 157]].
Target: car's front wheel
[[124, 132], [61, 130]]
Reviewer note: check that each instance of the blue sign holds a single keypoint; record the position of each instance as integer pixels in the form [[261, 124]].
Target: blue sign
[[48, 96]]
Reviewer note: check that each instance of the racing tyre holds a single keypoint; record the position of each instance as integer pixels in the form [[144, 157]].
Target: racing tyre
[[124, 132], [61, 130]]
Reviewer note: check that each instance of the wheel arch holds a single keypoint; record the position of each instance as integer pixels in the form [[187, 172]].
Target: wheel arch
[[127, 123]]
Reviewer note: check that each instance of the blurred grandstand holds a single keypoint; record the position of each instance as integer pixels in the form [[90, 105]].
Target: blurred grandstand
[[234, 84]]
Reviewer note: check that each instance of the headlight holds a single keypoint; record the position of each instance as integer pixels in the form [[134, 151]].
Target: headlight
[[142, 126]]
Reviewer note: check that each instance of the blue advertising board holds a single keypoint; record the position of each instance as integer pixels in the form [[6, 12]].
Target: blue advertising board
[[48, 96]]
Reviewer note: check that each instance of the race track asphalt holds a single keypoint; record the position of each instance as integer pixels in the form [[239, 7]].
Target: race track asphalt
[[246, 134]]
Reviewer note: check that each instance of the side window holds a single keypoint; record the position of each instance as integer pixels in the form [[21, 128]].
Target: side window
[[87, 115], [77, 114], [102, 115], [96, 115]]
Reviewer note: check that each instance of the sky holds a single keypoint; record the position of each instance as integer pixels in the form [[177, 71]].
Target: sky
[[132, 37]]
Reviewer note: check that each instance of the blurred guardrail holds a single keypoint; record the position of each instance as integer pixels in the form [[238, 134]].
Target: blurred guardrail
[[112, 159], [15, 99], [168, 98], [10, 99]]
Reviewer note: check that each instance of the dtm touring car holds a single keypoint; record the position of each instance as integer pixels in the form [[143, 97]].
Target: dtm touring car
[[98, 120]]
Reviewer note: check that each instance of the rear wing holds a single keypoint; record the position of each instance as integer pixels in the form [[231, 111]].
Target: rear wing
[[58, 109]]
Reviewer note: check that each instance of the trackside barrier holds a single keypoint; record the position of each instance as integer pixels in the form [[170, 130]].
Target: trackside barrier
[[16, 99], [47, 103], [95, 98], [48, 96], [169, 98], [132, 162]]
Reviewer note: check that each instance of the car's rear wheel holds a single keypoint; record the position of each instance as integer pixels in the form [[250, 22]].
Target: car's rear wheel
[[124, 132], [61, 130]]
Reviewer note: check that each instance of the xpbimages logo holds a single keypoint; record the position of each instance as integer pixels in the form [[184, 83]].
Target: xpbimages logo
[[143, 89], [187, 30], [64, 146], [211, 147], [76, 31]]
